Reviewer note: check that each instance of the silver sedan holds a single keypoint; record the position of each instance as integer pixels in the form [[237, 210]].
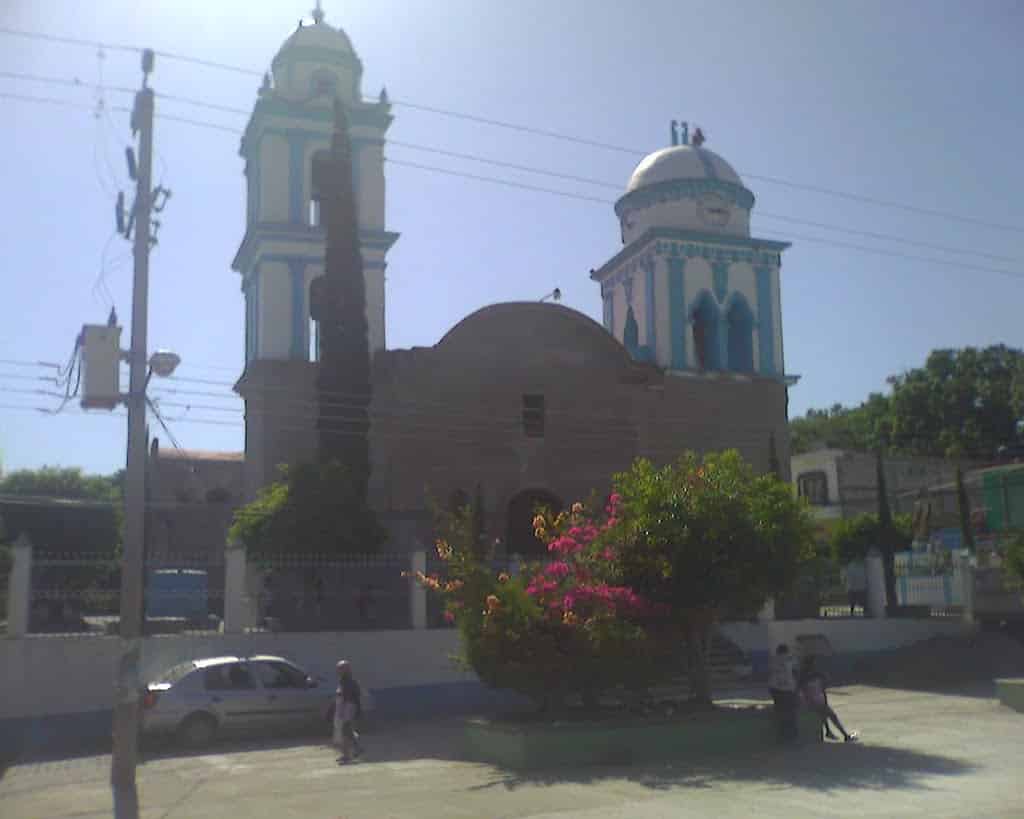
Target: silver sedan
[[197, 700]]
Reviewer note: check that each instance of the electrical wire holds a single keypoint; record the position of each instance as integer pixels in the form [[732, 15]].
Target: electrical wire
[[599, 200], [637, 152]]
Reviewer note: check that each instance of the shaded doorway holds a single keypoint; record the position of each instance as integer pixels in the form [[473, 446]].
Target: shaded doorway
[[519, 537]]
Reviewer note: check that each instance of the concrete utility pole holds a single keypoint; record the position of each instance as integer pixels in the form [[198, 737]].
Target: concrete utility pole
[[126, 705]]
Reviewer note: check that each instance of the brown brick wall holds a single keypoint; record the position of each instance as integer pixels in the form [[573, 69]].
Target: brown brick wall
[[450, 417]]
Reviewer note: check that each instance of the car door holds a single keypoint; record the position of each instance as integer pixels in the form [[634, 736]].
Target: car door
[[236, 697], [292, 702]]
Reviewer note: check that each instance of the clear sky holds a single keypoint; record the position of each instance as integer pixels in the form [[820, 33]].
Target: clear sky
[[908, 102]]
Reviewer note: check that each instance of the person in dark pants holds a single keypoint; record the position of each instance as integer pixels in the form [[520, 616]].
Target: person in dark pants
[[814, 687], [347, 709], [783, 687]]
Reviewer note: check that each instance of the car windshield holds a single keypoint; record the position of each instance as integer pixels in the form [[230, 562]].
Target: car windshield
[[176, 673]]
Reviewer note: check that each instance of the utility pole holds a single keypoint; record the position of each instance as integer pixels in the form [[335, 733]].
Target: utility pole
[[126, 705]]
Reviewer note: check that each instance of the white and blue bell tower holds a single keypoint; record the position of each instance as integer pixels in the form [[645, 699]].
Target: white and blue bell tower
[[691, 290], [284, 244]]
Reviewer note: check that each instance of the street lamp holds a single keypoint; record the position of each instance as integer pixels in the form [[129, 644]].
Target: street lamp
[[163, 363]]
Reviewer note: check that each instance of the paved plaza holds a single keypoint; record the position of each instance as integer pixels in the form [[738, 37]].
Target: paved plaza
[[932, 755]]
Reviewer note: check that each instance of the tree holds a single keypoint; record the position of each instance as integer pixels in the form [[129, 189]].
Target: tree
[[852, 538], [971, 399], [338, 304], [963, 505], [705, 536], [314, 509], [886, 531], [63, 482]]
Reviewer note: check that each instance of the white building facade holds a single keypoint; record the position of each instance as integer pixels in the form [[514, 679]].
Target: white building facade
[[283, 248]]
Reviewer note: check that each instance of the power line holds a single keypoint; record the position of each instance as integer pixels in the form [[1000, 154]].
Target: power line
[[539, 171], [637, 152]]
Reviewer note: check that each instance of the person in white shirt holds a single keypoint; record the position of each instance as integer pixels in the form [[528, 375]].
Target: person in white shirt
[[782, 684]]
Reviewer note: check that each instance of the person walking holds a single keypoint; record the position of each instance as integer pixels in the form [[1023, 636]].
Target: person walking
[[856, 578], [347, 709], [814, 687], [783, 687]]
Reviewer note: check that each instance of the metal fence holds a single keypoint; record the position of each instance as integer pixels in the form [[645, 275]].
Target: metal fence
[[320, 593]]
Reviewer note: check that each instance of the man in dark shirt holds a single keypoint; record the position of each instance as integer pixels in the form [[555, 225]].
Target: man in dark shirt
[[347, 709]]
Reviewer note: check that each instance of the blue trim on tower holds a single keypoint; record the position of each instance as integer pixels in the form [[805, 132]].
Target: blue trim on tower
[[677, 311], [256, 311], [296, 172], [720, 279], [299, 347], [650, 331], [765, 325], [711, 246]]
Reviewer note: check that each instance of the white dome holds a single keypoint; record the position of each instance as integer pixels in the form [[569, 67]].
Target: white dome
[[318, 35], [684, 188], [681, 162], [317, 61]]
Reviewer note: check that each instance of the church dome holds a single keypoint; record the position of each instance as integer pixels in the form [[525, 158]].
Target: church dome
[[681, 162], [319, 61], [684, 188], [318, 35]]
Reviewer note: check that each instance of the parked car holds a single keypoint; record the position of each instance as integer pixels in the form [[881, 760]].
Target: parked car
[[197, 700]]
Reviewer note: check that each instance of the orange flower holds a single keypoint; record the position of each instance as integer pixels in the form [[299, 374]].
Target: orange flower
[[569, 618], [538, 522], [493, 603], [503, 577], [444, 550], [577, 508]]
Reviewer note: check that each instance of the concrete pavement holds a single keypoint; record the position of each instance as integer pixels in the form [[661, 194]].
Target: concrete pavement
[[923, 754]]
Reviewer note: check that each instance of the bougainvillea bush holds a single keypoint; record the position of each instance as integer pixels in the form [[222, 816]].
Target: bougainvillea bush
[[559, 629], [626, 587]]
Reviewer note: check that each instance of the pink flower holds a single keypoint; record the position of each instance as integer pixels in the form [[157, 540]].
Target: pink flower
[[559, 569], [449, 617]]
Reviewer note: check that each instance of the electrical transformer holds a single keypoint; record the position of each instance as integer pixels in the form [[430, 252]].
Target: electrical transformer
[[101, 363]]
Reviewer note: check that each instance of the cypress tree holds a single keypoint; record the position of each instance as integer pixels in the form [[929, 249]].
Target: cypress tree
[[339, 305]]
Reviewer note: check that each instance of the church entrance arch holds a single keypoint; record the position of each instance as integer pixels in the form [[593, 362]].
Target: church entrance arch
[[519, 537]]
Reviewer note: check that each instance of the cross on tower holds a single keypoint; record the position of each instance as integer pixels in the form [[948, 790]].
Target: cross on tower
[[318, 13]]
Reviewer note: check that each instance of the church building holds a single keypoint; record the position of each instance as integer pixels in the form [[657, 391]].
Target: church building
[[521, 402]]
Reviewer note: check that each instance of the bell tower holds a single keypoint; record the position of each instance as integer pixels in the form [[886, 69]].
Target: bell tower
[[283, 248], [285, 243]]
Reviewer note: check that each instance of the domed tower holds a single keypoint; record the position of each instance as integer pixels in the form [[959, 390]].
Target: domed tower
[[691, 290], [283, 248]]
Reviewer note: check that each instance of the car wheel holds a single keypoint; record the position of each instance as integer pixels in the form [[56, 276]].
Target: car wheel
[[197, 731]]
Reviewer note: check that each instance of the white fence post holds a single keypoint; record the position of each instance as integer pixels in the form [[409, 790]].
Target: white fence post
[[236, 591], [967, 588], [19, 588], [876, 584], [417, 594], [767, 613]]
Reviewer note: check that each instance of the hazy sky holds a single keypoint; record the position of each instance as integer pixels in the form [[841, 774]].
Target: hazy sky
[[909, 102]]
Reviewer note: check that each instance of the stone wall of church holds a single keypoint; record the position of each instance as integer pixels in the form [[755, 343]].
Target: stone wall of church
[[451, 417]]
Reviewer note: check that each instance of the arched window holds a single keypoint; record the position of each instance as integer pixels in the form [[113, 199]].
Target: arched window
[[317, 170], [323, 83], [741, 336], [314, 340], [704, 318], [631, 332]]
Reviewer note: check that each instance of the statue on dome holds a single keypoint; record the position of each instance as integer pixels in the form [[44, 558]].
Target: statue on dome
[[698, 137], [675, 132]]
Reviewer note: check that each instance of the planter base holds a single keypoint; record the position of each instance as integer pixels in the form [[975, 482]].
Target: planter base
[[623, 740], [1011, 693]]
